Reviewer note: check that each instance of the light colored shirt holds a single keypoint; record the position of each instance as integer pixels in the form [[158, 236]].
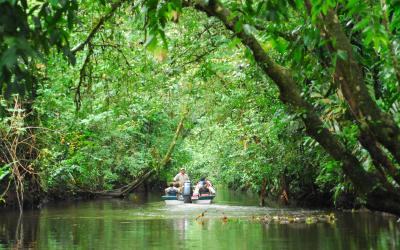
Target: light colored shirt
[[181, 178], [206, 184]]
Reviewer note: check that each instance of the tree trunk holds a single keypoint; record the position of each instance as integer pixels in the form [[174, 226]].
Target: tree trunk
[[284, 197], [350, 77], [263, 192], [379, 158]]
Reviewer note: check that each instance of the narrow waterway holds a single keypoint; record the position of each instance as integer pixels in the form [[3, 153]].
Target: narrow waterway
[[233, 222]]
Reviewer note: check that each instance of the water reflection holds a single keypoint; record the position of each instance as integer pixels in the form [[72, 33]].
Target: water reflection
[[124, 224]]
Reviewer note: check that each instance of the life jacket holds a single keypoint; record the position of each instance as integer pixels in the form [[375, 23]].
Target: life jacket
[[203, 189]]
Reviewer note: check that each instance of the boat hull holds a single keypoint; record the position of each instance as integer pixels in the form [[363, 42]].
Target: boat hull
[[203, 199], [172, 200]]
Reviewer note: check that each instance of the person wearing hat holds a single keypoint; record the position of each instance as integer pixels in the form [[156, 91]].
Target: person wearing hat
[[204, 186], [181, 177]]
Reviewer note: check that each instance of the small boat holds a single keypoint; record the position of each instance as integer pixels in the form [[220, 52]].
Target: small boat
[[203, 199], [172, 199], [187, 196]]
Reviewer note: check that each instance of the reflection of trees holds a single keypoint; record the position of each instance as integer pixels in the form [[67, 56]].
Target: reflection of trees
[[180, 227], [18, 231], [351, 231], [101, 226]]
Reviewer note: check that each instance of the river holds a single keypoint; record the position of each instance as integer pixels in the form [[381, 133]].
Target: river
[[233, 222]]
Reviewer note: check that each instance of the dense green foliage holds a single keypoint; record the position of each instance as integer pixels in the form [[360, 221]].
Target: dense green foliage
[[27, 30], [101, 114]]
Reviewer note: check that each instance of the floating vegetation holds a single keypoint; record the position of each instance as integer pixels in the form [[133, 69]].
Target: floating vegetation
[[200, 216], [276, 217], [298, 218]]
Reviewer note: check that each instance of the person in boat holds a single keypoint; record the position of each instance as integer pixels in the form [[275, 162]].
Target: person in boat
[[204, 186], [172, 190], [181, 177]]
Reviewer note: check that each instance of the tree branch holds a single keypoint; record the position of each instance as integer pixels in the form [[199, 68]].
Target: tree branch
[[97, 27], [379, 158], [349, 75], [287, 36], [77, 97]]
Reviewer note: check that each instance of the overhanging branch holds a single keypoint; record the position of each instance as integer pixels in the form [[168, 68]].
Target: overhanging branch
[[97, 27]]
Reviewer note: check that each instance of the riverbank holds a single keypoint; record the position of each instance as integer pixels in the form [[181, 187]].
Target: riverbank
[[308, 201]]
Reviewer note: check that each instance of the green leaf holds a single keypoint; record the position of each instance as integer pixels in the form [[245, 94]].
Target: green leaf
[[238, 26], [5, 170], [151, 42], [249, 55], [342, 54], [361, 25], [53, 3]]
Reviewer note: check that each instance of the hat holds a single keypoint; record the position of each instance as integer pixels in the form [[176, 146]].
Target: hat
[[182, 169]]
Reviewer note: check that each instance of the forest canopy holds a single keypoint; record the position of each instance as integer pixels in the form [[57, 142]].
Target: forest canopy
[[297, 100]]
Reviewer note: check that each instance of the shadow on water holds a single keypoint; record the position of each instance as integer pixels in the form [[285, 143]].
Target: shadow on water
[[144, 222]]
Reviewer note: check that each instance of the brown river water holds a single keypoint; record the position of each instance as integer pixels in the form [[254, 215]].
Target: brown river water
[[233, 222]]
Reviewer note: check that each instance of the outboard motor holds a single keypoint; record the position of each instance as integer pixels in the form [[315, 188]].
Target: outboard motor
[[187, 192]]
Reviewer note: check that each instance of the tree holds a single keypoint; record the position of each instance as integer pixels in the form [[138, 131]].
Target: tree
[[353, 88]]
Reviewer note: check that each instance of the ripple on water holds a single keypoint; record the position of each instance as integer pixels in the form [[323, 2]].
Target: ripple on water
[[157, 210]]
